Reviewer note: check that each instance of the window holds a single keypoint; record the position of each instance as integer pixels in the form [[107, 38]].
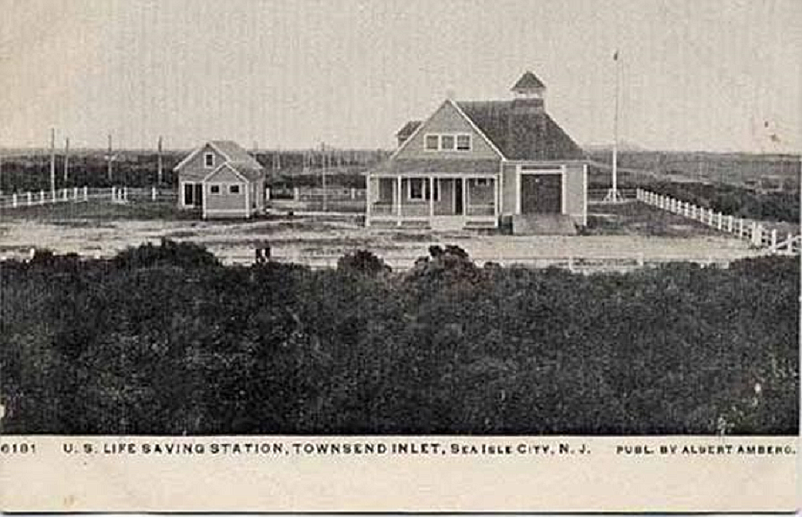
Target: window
[[432, 142], [214, 189], [480, 182], [233, 189], [208, 160], [415, 188], [446, 142], [436, 189]]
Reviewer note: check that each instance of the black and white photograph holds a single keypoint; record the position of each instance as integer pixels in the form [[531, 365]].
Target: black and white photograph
[[410, 218]]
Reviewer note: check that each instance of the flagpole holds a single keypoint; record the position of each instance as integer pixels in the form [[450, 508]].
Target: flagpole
[[612, 195]]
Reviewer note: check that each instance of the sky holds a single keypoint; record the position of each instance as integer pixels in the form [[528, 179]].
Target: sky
[[712, 75]]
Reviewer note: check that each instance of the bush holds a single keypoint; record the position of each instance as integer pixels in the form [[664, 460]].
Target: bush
[[168, 252], [364, 262], [160, 345]]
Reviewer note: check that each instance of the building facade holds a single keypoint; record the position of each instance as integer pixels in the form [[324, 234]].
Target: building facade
[[220, 180], [472, 163]]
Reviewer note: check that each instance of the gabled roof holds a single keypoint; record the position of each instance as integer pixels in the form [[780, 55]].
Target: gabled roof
[[528, 82], [231, 151], [521, 134], [408, 128]]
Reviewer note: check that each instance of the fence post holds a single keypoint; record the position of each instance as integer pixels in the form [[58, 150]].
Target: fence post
[[296, 194], [41, 197], [113, 192], [571, 264], [153, 193], [740, 227], [75, 193], [353, 193], [757, 239], [30, 198], [729, 223], [65, 194], [773, 239], [719, 225], [125, 193], [86, 193], [788, 244], [710, 217], [14, 200]]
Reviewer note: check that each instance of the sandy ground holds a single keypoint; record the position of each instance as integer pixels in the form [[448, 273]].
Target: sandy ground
[[319, 242]]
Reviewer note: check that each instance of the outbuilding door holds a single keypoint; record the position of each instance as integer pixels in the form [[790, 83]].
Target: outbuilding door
[[541, 193]]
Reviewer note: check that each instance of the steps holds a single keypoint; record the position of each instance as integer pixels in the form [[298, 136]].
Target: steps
[[543, 224]]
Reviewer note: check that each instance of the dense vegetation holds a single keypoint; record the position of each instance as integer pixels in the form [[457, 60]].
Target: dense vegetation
[[731, 200], [163, 339]]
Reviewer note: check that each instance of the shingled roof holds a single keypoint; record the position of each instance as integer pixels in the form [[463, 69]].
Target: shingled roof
[[234, 155], [522, 134]]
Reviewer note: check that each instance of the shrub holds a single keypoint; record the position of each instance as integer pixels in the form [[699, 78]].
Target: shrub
[[364, 262]]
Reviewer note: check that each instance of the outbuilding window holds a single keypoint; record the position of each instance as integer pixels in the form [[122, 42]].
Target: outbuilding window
[[233, 189], [214, 189], [208, 160]]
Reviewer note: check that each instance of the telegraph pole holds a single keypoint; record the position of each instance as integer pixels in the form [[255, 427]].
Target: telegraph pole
[[159, 164], [109, 158], [53, 160], [66, 159], [323, 164]]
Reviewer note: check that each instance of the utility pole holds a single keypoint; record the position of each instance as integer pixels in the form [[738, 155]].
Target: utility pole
[[323, 164], [53, 160], [159, 164], [66, 159], [612, 195], [109, 158]]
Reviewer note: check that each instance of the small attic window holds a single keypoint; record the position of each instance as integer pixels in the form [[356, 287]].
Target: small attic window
[[446, 142], [208, 160], [432, 142], [463, 142]]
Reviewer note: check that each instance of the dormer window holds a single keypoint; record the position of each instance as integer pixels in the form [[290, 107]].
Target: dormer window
[[463, 142], [208, 160]]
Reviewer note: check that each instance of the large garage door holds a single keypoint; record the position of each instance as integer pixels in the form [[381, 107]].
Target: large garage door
[[541, 193]]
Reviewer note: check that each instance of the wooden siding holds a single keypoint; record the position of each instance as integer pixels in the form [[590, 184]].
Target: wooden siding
[[225, 204], [447, 120], [194, 170]]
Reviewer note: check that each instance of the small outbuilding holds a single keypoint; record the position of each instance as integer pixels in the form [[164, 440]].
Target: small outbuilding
[[220, 179]]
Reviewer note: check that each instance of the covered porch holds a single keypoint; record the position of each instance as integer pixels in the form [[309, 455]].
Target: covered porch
[[441, 201]]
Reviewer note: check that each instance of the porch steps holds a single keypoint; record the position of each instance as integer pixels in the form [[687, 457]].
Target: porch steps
[[543, 224]]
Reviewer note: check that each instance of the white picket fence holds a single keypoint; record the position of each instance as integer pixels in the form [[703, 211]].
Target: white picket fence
[[83, 194], [757, 233]]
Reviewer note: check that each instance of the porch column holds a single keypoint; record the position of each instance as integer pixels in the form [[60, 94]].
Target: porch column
[[398, 199], [495, 197], [431, 197], [464, 196]]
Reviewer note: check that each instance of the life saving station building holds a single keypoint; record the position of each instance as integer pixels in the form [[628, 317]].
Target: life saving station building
[[470, 164]]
